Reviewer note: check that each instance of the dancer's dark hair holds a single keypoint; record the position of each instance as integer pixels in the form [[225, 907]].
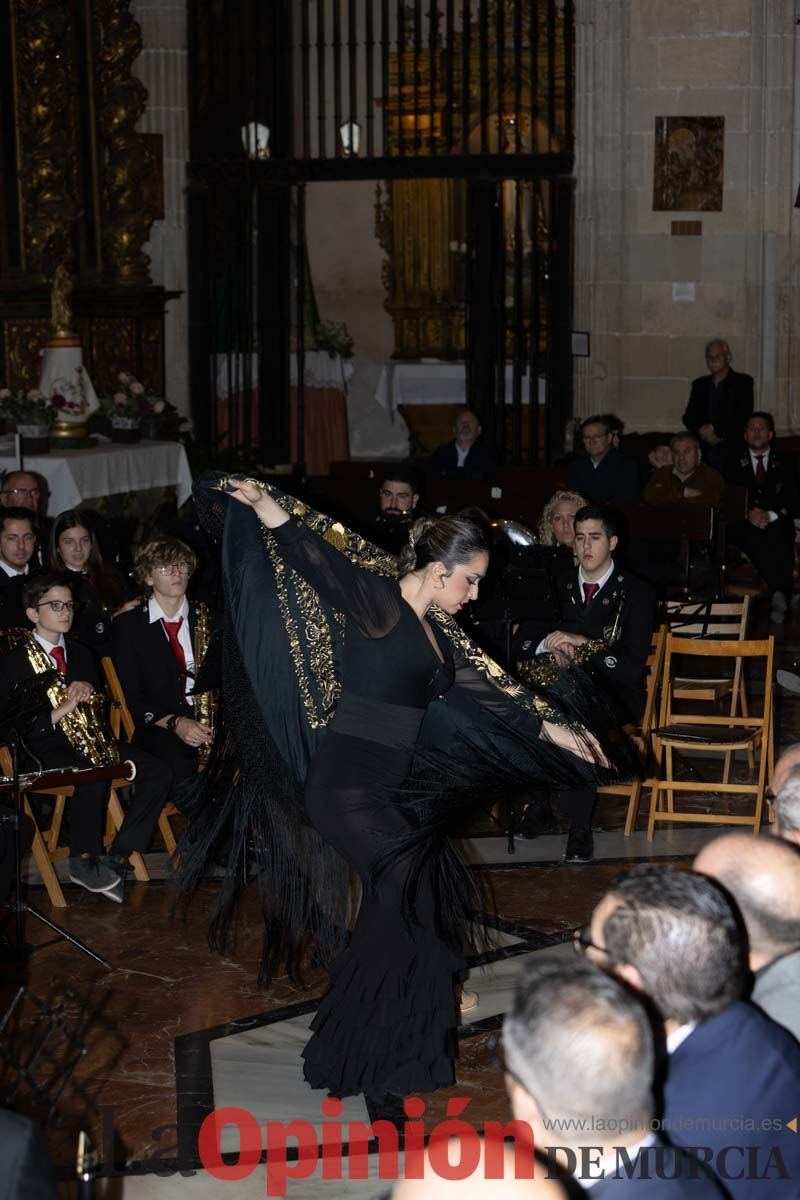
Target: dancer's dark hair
[[449, 540]]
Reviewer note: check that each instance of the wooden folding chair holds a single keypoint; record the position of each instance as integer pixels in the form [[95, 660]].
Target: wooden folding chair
[[713, 734], [641, 735], [121, 719], [723, 620], [39, 848]]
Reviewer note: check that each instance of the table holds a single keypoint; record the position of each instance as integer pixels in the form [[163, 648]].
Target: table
[[108, 469], [438, 383]]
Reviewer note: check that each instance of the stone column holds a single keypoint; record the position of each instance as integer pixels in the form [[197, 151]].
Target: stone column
[[162, 68]]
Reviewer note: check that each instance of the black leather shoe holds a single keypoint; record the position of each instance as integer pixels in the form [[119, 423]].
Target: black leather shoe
[[535, 821], [580, 846]]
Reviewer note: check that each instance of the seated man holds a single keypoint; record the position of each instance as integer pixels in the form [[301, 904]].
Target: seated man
[[604, 474], [23, 489], [398, 497], [787, 810], [687, 479], [465, 457], [763, 877], [607, 619], [49, 607], [17, 549], [579, 1054], [767, 536], [674, 936], [157, 653]]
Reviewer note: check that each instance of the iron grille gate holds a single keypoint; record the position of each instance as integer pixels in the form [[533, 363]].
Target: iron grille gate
[[471, 96]]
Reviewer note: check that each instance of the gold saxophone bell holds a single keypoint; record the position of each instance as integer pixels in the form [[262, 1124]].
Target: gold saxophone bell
[[206, 704]]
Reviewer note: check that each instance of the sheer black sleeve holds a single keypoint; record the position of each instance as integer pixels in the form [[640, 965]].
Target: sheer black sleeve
[[370, 600]]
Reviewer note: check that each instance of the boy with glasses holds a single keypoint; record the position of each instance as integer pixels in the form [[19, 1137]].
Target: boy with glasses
[[49, 608], [154, 651]]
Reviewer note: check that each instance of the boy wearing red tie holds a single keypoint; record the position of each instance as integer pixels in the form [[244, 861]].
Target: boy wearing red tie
[[155, 649], [49, 607]]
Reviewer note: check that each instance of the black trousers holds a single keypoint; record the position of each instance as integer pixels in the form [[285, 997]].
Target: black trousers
[[770, 550], [86, 810], [180, 759], [577, 804]]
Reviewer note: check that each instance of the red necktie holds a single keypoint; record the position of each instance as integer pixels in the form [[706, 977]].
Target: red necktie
[[60, 659], [173, 628], [589, 590], [761, 473]]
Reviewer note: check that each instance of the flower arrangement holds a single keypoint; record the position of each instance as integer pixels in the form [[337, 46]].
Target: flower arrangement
[[132, 400], [27, 408], [335, 337]]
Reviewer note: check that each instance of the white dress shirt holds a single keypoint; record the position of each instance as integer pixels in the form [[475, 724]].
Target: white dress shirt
[[773, 516], [12, 572], [462, 452], [48, 646], [679, 1036], [157, 613], [603, 580]]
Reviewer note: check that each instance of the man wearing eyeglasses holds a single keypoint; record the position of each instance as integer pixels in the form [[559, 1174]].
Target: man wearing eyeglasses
[[49, 608], [17, 548], [154, 653], [21, 489]]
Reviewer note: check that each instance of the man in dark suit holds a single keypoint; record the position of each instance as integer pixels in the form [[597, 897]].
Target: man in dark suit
[[773, 501], [763, 877], [465, 457], [154, 651], [23, 489], [719, 404], [49, 607], [607, 618], [17, 550], [579, 1067], [674, 936], [605, 474]]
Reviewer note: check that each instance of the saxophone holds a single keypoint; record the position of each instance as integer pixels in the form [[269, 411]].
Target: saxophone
[[86, 727], [205, 703], [544, 668]]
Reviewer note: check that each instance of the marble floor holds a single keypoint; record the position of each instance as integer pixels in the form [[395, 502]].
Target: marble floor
[[175, 1031]]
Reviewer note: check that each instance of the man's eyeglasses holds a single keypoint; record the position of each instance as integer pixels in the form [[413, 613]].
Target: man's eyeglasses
[[58, 605], [180, 568], [20, 491], [581, 942]]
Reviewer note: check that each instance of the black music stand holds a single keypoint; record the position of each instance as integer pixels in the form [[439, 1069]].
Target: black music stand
[[27, 699]]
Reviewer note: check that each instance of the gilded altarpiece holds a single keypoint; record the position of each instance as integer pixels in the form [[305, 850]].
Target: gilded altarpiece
[[515, 81], [78, 185]]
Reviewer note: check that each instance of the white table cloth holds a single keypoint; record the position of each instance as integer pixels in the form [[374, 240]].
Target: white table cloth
[[106, 470], [319, 370], [437, 383]]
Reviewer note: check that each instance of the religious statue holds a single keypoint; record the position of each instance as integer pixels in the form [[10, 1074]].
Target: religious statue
[[60, 302]]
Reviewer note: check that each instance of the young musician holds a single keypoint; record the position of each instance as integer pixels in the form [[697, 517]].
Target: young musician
[[607, 619], [158, 647], [49, 607]]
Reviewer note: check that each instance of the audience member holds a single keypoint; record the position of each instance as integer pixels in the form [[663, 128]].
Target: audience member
[[617, 428], [785, 765], [675, 936], [465, 457], [687, 479], [763, 876], [49, 606], [787, 809], [579, 1066], [17, 548], [767, 536], [557, 527], [155, 649], [98, 589], [604, 474], [398, 497], [608, 615], [23, 489], [719, 405]]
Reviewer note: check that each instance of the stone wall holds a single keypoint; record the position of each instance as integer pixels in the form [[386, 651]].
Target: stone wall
[[636, 60]]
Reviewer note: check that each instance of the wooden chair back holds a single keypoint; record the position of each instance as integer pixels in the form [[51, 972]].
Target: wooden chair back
[[716, 650]]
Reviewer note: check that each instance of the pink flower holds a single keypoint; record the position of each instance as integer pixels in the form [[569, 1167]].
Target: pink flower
[[120, 399], [5, 393], [123, 377], [159, 406], [137, 388], [35, 394]]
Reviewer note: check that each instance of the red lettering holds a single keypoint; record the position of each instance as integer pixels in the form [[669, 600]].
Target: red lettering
[[210, 1149], [278, 1167], [414, 1139], [494, 1136], [331, 1152]]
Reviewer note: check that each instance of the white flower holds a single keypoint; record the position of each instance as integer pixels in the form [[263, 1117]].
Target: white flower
[[119, 399], [159, 406], [123, 377], [5, 393], [34, 394], [136, 388]]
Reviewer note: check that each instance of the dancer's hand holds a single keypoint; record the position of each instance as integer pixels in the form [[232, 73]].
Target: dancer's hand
[[586, 746], [268, 511]]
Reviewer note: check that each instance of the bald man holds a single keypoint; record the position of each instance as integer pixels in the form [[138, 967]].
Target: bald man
[[787, 809], [786, 764], [763, 877]]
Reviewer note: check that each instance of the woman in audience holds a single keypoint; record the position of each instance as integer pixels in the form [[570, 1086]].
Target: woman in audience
[[336, 655], [557, 527], [101, 591]]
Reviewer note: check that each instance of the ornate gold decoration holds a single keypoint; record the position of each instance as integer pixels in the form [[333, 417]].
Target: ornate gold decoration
[[114, 341], [128, 209], [45, 94], [205, 703], [688, 164], [61, 303], [24, 341]]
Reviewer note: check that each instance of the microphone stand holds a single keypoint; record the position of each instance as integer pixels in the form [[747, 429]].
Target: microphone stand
[[27, 699]]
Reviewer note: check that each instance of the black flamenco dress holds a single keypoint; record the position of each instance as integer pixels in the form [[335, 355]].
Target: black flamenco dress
[[357, 740]]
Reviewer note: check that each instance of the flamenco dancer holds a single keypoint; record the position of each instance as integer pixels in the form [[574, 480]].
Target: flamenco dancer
[[361, 716]]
